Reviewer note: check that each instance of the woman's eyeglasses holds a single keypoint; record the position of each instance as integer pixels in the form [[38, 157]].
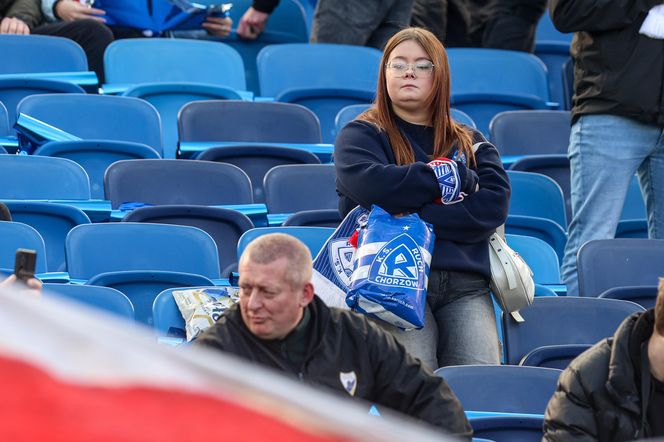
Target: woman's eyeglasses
[[421, 68]]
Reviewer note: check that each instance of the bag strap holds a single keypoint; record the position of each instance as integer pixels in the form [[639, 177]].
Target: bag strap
[[497, 243]]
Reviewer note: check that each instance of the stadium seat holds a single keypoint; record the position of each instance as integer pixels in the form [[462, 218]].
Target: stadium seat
[[40, 53], [645, 296], [4, 121], [335, 76], [168, 99], [508, 428], [228, 120], [166, 316], [518, 80], [314, 218], [12, 91], [607, 263], [293, 188], [501, 388], [563, 320], [96, 117], [536, 195], [568, 83], [530, 132], [225, 226], [162, 182], [542, 228], [553, 48], [104, 298], [114, 247], [20, 236], [24, 177], [256, 160], [287, 24], [95, 156], [143, 286], [313, 237], [541, 258], [171, 60], [53, 222], [553, 356]]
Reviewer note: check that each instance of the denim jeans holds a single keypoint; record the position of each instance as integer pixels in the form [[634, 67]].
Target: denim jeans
[[605, 151], [460, 323]]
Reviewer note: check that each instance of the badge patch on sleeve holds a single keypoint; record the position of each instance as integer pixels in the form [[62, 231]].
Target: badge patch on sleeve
[[349, 381]]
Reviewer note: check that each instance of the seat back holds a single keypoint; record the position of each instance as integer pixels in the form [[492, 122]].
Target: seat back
[[166, 316], [4, 121], [12, 91], [536, 195], [293, 188], [313, 237], [103, 298], [168, 99], [40, 53], [563, 320], [645, 296], [167, 60], [231, 120], [161, 182], [95, 156], [554, 356], [33, 177], [255, 161], [607, 263], [545, 229], [111, 247], [225, 226], [315, 218], [97, 117], [15, 235], [531, 132], [539, 255], [501, 388], [53, 222], [508, 428]]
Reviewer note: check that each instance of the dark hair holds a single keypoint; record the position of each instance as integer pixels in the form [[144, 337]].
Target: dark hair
[[447, 133]]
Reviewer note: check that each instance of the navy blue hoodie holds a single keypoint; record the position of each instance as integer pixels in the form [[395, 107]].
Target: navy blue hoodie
[[367, 174]]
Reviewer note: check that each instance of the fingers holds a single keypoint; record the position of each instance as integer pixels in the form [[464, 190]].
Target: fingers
[[218, 26], [34, 284], [11, 25], [245, 30], [9, 280]]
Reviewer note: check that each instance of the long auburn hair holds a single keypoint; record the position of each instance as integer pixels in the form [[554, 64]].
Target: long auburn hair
[[447, 133]]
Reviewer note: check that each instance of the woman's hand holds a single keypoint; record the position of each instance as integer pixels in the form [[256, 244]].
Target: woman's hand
[[68, 10], [218, 26], [16, 26]]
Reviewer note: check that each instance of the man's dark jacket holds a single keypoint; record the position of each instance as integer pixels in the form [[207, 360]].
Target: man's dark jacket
[[617, 71], [598, 396], [27, 10], [345, 342]]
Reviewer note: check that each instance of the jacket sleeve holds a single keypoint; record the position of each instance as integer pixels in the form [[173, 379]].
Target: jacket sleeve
[[366, 175], [597, 15], [476, 217], [569, 415], [266, 6], [403, 384], [47, 9], [27, 11]]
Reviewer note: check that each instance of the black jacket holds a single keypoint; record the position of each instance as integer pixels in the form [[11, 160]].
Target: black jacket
[[367, 174], [26, 10], [617, 71], [599, 395], [345, 342]]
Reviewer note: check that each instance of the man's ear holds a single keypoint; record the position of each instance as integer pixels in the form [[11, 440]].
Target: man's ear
[[307, 294]]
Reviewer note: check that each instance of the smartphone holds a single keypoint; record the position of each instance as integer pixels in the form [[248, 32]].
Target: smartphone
[[24, 265]]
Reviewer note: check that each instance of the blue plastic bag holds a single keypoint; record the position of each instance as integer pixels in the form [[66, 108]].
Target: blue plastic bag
[[391, 269]]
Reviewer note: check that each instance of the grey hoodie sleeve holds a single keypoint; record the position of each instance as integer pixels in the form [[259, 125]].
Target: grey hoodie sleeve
[[47, 9]]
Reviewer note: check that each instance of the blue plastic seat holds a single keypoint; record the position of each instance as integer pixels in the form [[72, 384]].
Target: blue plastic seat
[[4, 121], [313, 237], [15, 235], [225, 226], [53, 222], [12, 91], [501, 388], [645, 296], [115, 247], [607, 263], [162, 182], [531, 132], [335, 76], [315, 218], [287, 24], [166, 316], [542, 228], [563, 320], [168, 60], [95, 156], [230, 120], [104, 298], [518, 80], [553, 356], [568, 83], [539, 255], [40, 53], [508, 428], [30, 177], [553, 48], [294, 188], [257, 160], [537, 195], [168, 99], [143, 286], [96, 117]]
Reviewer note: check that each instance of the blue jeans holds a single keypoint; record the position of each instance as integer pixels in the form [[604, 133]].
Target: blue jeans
[[460, 323], [605, 152]]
